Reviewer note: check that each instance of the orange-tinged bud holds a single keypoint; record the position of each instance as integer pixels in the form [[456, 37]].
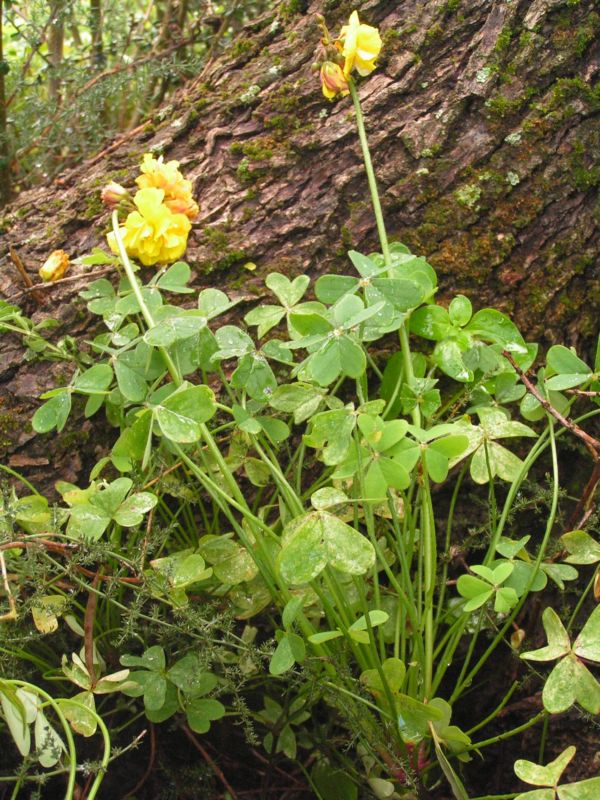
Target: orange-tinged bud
[[112, 194], [55, 266], [183, 205], [517, 638], [333, 80]]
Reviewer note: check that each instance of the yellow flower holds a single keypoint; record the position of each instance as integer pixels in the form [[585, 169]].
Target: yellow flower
[[55, 266], [153, 234], [361, 45], [158, 174], [333, 80]]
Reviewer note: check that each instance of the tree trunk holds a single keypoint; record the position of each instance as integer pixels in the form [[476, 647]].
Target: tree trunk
[[482, 118], [4, 150], [56, 41], [96, 20]]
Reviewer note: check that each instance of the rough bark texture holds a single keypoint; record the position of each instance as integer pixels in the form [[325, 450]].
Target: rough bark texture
[[483, 122]]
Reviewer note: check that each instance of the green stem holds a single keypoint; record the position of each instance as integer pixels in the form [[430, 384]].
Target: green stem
[[362, 135], [146, 313]]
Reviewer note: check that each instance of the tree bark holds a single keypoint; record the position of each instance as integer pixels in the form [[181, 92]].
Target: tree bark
[[482, 118]]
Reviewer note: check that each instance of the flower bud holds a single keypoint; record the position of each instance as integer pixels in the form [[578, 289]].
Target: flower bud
[[55, 266], [113, 193], [516, 638], [333, 80]]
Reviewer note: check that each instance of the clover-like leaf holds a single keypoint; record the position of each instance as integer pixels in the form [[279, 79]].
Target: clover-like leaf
[[201, 711], [318, 538], [570, 681], [582, 548], [558, 639], [182, 413]]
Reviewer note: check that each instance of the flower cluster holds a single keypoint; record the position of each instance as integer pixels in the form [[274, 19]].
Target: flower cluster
[[356, 48], [156, 232]]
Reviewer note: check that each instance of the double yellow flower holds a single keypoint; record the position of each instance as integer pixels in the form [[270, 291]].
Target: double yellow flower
[[157, 232], [360, 45], [153, 234]]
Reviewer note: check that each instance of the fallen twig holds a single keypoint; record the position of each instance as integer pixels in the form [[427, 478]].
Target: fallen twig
[[211, 762]]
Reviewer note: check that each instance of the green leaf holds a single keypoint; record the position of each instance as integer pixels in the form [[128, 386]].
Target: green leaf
[[460, 310], [97, 257], [153, 659], [559, 383], [265, 318], [176, 278], [283, 658], [587, 644], [347, 550], [232, 343], [571, 682], [316, 539], [53, 414], [447, 355], [15, 716], [558, 639], [394, 671], [187, 674], [458, 790], [131, 383], [87, 522], [414, 717], [328, 497], [287, 292], [331, 431], [200, 712], [564, 361], [468, 586], [48, 744], [364, 265], [95, 380], [376, 617], [301, 399], [173, 325], [255, 376], [560, 573], [431, 322], [132, 511], [276, 429], [493, 326], [110, 498], [304, 554], [291, 610], [213, 302], [582, 790], [133, 445], [324, 636], [538, 775], [333, 784], [537, 794], [330, 288], [80, 712], [502, 462], [181, 415], [582, 548]]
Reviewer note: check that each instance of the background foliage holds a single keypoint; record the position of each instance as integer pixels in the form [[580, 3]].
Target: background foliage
[[76, 74]]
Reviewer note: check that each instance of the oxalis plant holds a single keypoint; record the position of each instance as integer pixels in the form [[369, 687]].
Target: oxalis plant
[[306, 469]]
